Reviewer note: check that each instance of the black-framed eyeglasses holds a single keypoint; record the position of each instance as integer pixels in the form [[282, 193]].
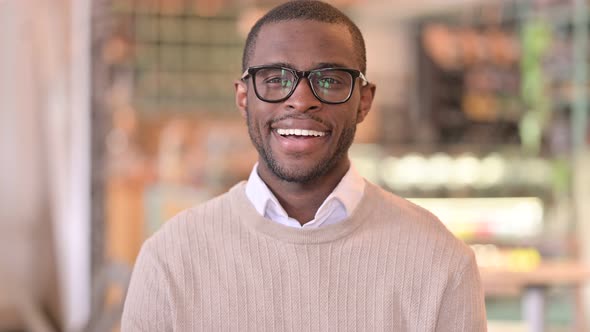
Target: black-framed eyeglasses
[[274, 84]]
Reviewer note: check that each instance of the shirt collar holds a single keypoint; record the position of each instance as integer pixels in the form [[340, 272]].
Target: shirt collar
[[349, 190], [347, 193], [259, 193]]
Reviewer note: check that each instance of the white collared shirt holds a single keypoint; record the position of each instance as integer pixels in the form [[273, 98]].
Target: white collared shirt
[[337, 206]]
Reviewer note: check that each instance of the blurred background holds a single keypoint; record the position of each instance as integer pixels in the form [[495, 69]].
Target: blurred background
[[117, 114]]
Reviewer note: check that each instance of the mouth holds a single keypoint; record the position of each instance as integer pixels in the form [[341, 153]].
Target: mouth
[[297, 141], [300, 133]]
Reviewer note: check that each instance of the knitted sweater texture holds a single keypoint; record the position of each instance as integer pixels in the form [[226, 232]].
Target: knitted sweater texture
[[391, 266]]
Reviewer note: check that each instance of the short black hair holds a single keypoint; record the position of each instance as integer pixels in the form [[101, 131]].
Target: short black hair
[[307, 10]]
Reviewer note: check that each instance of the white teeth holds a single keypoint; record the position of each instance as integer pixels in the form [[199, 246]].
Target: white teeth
[[300, 132]]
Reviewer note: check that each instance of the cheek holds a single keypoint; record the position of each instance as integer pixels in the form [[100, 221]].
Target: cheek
[[348, 117], [256, 120]]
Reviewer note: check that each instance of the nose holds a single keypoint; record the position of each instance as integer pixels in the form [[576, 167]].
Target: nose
[[303, 99]]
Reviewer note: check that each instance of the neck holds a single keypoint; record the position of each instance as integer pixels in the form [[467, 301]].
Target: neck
[[301, 201]]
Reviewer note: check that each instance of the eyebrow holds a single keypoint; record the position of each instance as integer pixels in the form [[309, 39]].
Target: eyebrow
[[321, 65], [330, 65]]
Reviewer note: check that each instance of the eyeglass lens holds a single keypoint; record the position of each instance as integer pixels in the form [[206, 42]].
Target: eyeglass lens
[[331, 85]]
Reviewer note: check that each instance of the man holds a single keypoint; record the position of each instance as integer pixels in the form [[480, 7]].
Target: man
[[305, 243]]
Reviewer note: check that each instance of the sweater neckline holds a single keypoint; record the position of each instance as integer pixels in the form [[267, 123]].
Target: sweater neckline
[[257, 223]]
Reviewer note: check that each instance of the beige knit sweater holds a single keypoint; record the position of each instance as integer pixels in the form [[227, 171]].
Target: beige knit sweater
[[391, 266]]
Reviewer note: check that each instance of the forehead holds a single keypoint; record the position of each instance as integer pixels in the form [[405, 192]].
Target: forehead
[[304, 44]]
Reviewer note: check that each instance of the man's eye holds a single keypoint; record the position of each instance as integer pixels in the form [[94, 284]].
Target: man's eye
[[275, 80], [327, 82], [278, 82], [272, 80]]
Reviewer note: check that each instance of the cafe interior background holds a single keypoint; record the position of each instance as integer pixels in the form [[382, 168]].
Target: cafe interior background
[[117, 114]]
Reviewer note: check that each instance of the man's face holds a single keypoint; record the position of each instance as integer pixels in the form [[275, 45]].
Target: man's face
[[303, 45]]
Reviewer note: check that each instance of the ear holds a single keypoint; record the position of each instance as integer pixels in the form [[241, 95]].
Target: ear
[[241, 96], [367, 95]]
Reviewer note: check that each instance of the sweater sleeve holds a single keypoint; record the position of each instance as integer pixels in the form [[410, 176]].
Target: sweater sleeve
[[147, 305], [463, 305]]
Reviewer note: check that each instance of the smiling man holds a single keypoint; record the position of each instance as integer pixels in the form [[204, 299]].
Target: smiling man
[[306, 243]]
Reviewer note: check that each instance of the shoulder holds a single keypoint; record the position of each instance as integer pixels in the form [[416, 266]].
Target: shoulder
[[200, 222], [414, 222], [420, 237]]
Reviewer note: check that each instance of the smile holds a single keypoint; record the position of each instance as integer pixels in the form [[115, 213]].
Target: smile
[[300, 132]]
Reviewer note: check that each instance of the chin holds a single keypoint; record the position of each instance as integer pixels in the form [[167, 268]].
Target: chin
[[300, 173]]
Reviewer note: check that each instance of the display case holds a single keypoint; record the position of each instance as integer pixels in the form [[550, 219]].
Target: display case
[[499, 114]]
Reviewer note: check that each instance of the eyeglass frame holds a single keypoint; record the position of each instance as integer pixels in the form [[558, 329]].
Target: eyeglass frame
[[299, 75]]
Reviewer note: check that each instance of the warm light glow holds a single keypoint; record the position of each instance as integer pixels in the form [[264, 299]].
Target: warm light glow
[[493, 168], [440, 167], [466, 171], [502, 217]]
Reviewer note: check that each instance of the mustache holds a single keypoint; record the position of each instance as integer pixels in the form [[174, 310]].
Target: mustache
[[300, 116]]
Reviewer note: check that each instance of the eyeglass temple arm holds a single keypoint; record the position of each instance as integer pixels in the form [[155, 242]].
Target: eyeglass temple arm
[[365, 82], [245, 75]]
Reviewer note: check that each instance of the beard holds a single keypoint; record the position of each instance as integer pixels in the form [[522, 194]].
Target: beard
[[322, 167]]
